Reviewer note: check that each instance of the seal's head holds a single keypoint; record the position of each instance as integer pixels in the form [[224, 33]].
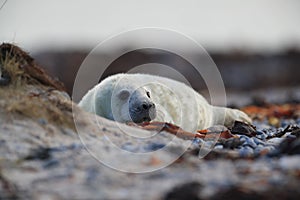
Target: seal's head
[[137, 105], [141, 107]]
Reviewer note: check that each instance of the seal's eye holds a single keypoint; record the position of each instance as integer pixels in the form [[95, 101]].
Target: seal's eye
[[148, 94]]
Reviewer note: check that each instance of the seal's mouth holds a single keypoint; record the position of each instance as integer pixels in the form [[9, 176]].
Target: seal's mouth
[[146, 119], [139, 117]]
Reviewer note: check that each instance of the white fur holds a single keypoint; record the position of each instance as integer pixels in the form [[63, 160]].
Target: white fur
[[175, 102]]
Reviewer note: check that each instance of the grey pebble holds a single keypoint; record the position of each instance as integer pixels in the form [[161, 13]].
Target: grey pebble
[[246, 151], [198, 141], [129, 147], [258, 149], [50, 163], [269, 148], [243, 138], [250, 142], [42, 121], [91, 175], [291, 136], [219, 146], [261, 135], [275, 141], [258, 141], [258, 132], [154, 146]]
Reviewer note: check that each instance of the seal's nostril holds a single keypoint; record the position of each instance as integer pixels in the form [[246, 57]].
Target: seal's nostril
[[145, 106]]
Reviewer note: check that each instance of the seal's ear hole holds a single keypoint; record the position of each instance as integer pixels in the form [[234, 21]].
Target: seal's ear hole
[[148, 94], [124, 94]]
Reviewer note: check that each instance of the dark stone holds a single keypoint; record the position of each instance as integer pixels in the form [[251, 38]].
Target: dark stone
[[4, 79], [245, 194], [296, 132], [236, 193], [232, 143], [243, 129], [51, 163], [154, 146], [290, 146], [280, 133], [39, 154], [189, 191]]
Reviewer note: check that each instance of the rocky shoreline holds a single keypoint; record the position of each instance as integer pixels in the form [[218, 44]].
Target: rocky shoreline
[[45, 155]]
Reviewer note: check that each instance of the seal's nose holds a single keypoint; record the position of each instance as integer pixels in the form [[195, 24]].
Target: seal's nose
[[144, 112], [147, 106]]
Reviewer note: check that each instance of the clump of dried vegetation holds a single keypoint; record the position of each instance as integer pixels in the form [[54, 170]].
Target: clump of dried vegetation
[[27, 91]]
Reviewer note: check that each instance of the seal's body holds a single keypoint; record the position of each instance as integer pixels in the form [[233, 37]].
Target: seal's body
[[142, 97]]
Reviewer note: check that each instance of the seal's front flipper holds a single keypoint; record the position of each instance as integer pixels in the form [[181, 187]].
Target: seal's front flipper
[[232, 115]]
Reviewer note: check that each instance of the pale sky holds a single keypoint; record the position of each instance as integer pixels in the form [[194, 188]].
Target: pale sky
[[255, 24]]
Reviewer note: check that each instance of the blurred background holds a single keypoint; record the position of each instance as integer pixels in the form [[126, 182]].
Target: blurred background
[[255, 44]]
